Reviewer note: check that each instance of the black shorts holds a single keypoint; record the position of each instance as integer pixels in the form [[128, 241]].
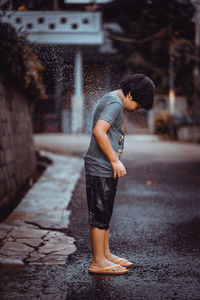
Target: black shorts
[[100, 198]]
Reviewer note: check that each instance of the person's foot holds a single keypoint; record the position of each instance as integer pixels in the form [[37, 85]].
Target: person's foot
[[105, 266], [112, 257], [119, 260], [103, 263]]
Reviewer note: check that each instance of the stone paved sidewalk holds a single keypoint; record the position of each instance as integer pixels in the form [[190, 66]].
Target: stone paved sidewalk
[[34, 233]]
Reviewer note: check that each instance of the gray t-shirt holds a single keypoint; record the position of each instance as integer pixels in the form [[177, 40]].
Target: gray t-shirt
[[110, 109]]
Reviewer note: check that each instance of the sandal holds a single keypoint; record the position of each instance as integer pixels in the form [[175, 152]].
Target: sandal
[[111, 270], [123, 262]]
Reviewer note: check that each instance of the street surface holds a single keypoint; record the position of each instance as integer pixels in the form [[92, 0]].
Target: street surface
[[155, 224]]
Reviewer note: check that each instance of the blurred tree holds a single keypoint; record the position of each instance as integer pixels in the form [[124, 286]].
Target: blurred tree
[[152, 31], [19, 64]]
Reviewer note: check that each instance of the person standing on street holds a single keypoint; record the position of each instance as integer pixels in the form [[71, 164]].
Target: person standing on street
[[103, 165]]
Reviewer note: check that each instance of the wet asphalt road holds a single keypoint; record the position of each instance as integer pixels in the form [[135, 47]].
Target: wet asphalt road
[[155, 224]]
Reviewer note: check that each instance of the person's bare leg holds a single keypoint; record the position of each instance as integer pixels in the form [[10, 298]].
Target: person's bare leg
[[108, 253], [99, 259], [112, 257]]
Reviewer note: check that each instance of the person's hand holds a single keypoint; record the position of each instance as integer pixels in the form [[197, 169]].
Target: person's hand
[[118, 169]]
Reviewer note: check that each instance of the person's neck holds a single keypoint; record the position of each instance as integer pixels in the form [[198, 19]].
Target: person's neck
[[120, 94]]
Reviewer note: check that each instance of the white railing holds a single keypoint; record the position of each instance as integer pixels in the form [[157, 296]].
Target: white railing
[[57, 27]]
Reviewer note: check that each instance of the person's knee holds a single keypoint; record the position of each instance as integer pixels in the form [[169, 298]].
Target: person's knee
[[98, 223]]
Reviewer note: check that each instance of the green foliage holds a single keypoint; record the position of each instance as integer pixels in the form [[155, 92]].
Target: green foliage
[[19, 64], [161, 122], [150, 29]]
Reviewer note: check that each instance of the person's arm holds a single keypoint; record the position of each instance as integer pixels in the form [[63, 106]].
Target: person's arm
[[124, 123], [100, 134]]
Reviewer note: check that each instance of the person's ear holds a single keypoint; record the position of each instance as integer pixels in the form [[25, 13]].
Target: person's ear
[[130, 96]]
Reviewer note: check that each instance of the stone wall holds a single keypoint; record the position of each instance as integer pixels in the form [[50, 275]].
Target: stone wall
[[17, 155]]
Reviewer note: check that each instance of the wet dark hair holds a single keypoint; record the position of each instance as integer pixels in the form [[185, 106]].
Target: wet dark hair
[[141, 88]]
